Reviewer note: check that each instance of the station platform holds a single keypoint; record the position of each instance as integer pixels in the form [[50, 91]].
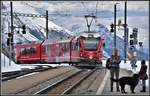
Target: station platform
[[104, 88]]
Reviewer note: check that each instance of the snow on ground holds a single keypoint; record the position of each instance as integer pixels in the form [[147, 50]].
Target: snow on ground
[[5, 67], [52, 65]]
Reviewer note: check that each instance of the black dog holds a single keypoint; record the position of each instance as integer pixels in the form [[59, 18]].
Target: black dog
[[132, 81]]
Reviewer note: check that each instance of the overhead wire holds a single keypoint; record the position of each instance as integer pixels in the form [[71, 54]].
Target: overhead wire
[[96, 12], [85, 7]]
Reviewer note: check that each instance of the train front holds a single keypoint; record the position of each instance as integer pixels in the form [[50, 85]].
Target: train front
[[91, 49]]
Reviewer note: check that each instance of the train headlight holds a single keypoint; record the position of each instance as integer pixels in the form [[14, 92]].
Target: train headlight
[[91, 57]]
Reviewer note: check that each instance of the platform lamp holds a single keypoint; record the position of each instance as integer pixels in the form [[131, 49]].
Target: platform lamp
[[141, 45], [111, 27]]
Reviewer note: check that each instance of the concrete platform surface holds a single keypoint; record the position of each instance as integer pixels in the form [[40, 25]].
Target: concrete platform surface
[[105, 89]]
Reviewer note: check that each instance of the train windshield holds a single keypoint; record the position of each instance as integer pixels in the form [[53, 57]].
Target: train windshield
[[90, 43]]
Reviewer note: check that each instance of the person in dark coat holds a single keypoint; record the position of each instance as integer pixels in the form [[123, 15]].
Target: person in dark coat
[[143, 75], [115, 68]]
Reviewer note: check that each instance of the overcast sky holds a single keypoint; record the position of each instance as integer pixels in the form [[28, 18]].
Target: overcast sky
[[104, 9], [90, 5]]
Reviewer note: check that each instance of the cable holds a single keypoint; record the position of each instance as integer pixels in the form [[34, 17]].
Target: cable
[[96, 12], [85, 7], [96, 8]]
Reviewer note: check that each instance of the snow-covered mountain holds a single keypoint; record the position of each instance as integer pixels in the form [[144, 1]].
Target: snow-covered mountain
[[34, 31]]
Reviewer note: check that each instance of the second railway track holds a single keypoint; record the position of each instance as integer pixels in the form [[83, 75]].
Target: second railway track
[[65, 85], [11, 75]]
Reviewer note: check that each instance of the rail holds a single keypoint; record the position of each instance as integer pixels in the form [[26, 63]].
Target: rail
[[69, 88], [11, 75], [67, 91], [42, 91]]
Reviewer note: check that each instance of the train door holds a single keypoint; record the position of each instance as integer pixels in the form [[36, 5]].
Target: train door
[[63, 51], [49, 53], [43, 54], [68, 51], [60, 52], [81, 45], [57, 53], [53, 48], [75, 51]]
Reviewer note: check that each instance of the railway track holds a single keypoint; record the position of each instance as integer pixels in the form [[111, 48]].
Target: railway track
[[50, 81], [11, 75], [90, 85], [6, 74], [20, 84], [65, 85]]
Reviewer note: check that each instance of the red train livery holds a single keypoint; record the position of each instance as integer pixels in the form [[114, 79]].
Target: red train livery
[[85, 49]]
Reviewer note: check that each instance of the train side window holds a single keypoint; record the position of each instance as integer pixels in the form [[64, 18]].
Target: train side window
[[57, 51], [28, 51], [32, 50], [64, 47], [23, 51], [73, 45], [76, 45], [67, 47]]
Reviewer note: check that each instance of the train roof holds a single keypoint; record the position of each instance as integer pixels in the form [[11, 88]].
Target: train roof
[[86, 34], [28, 43], [56, 41]]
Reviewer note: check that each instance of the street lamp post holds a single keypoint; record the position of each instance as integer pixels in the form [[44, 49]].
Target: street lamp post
[[125, 29], [115, 9], [115, 25], [125, 33], [141, 46], [12, 32]]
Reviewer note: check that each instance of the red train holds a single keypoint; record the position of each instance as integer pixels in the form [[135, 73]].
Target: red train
[[83, 50]]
